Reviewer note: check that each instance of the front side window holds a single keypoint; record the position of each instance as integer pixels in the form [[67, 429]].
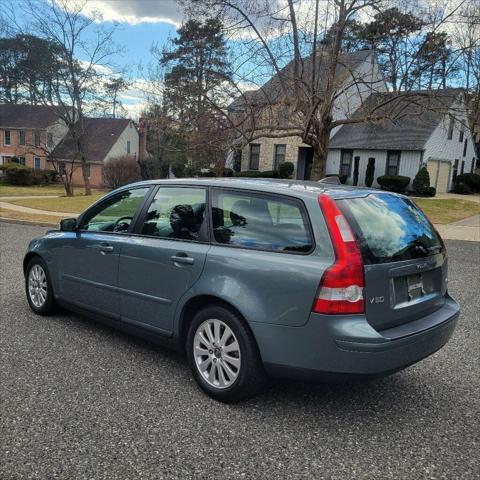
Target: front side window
[[6, 137], [465, 145], [87, 170], [176, 213], [36, 163], [61, 168], [128, 146], [393, 162], [260, 222], [254, 156], [37, 138], [21, 160], [279, 155], [116, 213], [346, 163], [462, 168], [21, 137], [472, 166]]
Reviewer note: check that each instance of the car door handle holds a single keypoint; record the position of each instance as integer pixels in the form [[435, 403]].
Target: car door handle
[[105, 248], [179, 258]]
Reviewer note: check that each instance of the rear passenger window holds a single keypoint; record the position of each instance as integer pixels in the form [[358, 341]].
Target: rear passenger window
[[176, 213], [260, 222]]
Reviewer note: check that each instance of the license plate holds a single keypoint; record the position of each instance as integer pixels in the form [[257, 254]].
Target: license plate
[[415, 286]]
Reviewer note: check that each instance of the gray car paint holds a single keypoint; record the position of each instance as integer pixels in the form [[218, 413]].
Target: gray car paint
[[273, 291]]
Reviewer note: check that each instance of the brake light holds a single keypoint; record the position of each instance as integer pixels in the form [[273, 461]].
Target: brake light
[[342, 284]]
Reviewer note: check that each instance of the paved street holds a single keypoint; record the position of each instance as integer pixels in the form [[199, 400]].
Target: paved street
[[80, 401]]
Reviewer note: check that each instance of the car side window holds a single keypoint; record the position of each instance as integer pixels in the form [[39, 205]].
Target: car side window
[[176, 213], [261, 222], [116, 213]]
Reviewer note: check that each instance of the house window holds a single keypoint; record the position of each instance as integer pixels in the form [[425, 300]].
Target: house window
[[393, 162], [49, 140], [21, 137], [455, 170], [61, 168], [254, 156], [21, 160], [36, 163], [450, 127], [462, 133], [87, 170], [346, 163], [462, 169], [37, 138], [472, 166], [6, 137], [465, 145], [279, 155], [128, 146]]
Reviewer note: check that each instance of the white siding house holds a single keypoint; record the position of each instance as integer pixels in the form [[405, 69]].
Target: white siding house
[[431, 131]]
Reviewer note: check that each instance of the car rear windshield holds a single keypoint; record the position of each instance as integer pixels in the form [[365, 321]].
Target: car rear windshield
[[390, 228]]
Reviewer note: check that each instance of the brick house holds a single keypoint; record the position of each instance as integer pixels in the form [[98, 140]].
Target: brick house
[[103, 138], [28, 132], [38, 138]]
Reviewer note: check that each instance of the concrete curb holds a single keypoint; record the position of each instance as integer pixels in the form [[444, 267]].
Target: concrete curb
[[28, 222]]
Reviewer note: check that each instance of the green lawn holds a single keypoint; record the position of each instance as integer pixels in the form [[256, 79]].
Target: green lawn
[[34, 190], [61, 204], [447, 210]]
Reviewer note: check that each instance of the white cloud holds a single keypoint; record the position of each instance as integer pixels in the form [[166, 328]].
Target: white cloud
[[134, 11]]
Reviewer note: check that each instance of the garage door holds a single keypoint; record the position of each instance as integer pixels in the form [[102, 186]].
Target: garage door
[[439, 174]]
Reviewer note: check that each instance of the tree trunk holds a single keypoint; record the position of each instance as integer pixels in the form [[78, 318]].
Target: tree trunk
[[320, 151]]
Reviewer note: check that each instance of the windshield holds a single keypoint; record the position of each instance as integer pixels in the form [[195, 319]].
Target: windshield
[[390, 228]]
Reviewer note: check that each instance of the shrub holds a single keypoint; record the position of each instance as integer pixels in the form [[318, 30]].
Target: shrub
[[431, 191], [17, 174], [370, 173], [393, 183], [470, 179], [178, 169], [285, 169], [228, 172], [461, 188], [421, 182], [258, 174], [119, 171], [356, 167]]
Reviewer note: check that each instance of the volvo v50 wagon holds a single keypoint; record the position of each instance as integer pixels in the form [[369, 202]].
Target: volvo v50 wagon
[[252, 278]]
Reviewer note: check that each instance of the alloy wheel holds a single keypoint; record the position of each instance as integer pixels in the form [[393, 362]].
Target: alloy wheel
[[37, 286], [217, 353]]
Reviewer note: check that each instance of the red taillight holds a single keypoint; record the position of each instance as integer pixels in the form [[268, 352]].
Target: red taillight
[[341, 286]]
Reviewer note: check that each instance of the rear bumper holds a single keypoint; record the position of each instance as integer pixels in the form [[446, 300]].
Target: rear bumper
[[336, 346]]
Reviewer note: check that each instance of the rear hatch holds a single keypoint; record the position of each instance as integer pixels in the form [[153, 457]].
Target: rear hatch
[[404, 258]]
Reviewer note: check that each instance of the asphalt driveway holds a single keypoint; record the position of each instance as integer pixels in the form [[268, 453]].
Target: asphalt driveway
[[80, 401]]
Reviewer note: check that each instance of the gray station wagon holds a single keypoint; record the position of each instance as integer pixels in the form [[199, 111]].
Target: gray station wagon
[[255, 277]]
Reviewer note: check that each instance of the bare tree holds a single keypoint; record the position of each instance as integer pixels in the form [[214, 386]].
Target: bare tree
[[310, 75], [84, 49]]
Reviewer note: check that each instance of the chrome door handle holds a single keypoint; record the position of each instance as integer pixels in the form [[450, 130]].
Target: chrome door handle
[[105, 248], [182, 259]]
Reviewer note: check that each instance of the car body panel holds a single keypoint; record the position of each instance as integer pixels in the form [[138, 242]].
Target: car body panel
[[140, 285]]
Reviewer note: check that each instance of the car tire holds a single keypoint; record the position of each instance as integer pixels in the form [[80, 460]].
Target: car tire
[[38, 287], [229, 368]]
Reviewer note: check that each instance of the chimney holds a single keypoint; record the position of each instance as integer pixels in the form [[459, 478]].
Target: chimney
[[142, 138]]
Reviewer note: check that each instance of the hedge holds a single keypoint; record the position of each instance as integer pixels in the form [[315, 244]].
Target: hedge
[[472, 180], [17, 174], [393, 183], [285, 169], [461, 188], [258, 174]]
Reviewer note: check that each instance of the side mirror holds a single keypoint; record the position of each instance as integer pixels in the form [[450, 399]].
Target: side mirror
[[68, 224]]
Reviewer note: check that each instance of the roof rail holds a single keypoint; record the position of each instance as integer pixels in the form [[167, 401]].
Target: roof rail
[[332, 180]]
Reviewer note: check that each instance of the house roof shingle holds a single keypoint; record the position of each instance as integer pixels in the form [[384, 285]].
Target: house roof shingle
[[409, 121], [272, 90], [99, 136], [26, 116]]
